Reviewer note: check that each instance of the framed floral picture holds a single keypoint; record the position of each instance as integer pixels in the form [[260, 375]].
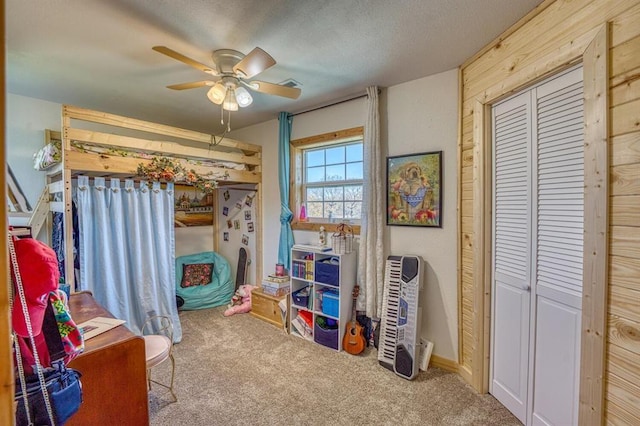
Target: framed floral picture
[[414, 190]]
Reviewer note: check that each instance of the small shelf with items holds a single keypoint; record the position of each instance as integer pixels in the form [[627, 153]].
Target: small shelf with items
[[302, 266], [326, 301], [326, 332], [321, 285], [302, 297], [301, 314], [301, 323]]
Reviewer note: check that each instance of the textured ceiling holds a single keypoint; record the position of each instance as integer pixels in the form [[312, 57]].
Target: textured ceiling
[[97, 53]]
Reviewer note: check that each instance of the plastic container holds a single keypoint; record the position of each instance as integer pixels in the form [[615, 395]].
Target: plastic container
[[330, 303]]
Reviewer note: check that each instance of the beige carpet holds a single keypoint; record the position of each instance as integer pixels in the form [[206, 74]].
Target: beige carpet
[[242, 371]]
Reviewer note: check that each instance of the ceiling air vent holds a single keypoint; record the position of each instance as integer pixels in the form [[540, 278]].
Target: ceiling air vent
[[290, 83]]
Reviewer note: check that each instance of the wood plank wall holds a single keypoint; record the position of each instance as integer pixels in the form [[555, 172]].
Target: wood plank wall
[[544, 36], [6, 368]]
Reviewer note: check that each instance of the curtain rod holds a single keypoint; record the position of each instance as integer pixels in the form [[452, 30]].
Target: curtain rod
[[353, 98]]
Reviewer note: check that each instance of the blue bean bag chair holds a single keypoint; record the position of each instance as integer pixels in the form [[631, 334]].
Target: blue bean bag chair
[[203, 280]]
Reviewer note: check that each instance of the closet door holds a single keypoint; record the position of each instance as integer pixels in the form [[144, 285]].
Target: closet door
[[538, 251], [559, 148], [512, 253]]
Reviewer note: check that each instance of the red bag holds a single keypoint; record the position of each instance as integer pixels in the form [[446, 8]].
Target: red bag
[[55, 333], [39, 272]]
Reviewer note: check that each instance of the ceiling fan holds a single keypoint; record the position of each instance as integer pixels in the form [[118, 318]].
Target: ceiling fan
[[233, 72]]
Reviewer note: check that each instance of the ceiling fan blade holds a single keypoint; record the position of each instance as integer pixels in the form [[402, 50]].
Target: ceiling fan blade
[[254, 63], [180, 57], [275, 89], [192, 85]]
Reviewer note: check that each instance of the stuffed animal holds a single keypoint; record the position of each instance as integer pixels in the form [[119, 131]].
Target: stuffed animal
[[241, 301]]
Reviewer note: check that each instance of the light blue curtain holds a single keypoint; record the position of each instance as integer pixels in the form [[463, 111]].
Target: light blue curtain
[[127, 249], [286, 234]]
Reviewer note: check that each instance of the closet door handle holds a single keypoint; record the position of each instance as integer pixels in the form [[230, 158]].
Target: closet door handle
[[526, 287]]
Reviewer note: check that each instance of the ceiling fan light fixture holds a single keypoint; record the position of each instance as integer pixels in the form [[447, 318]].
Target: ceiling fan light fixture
[[233, 69], [230, 103], [217, 94], [243, 97]]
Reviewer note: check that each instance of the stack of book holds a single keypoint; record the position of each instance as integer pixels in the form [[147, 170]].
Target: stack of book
[[276, 286], [302, 268]]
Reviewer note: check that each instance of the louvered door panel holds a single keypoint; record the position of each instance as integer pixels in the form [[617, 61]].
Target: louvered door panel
[[560, 189], [512, 252], [559, 203], [512, 131]]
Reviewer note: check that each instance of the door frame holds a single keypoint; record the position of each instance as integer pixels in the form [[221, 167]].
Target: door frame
[[592, 49], [7, 415]]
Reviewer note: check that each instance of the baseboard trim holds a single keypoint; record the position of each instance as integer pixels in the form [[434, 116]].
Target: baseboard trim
[[444, 363]]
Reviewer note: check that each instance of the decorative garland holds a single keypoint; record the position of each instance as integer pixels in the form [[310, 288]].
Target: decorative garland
[[167, 170]]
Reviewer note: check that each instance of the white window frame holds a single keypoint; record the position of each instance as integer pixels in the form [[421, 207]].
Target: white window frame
[[328, 183], [298, 187]]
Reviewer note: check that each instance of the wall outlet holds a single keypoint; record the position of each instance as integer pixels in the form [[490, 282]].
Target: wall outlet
[[426, 347]]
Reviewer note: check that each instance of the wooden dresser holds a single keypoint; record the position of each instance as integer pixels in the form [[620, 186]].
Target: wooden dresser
[[113, 367]]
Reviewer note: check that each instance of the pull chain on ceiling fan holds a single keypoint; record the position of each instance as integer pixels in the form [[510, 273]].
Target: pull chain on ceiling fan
[[233, 71]]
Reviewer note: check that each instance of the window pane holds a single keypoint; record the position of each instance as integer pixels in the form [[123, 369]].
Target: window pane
[[354, 152], [353, 192], [333, 193], [335, 172], [314, 158], [333, 210], [354, 170], [314, 194], [335, 155], [352, 209], [314, 209], [315, 174], [324, 171]]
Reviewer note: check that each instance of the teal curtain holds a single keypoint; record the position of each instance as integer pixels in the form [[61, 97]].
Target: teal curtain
[[286, 234]]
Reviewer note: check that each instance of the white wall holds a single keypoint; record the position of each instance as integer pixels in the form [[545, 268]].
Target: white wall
[[266, 135], [421, 117], [230, 249], [27, 118], [418, 116], [194, 239]]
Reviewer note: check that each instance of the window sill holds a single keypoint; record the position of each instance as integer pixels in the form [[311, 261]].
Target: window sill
[[315, 227]]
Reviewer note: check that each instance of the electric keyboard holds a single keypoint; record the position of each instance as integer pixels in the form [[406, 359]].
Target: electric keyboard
[[399, 345]]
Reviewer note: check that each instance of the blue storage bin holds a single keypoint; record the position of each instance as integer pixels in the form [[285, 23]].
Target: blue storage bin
[[330, 303], [327, 273], [326, 336], [301, 297]]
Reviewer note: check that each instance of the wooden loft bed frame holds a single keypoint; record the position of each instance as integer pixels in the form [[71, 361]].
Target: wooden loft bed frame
[[158, 140]]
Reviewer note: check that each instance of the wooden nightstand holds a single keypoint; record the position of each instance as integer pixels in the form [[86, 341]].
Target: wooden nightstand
[[265, 307]]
